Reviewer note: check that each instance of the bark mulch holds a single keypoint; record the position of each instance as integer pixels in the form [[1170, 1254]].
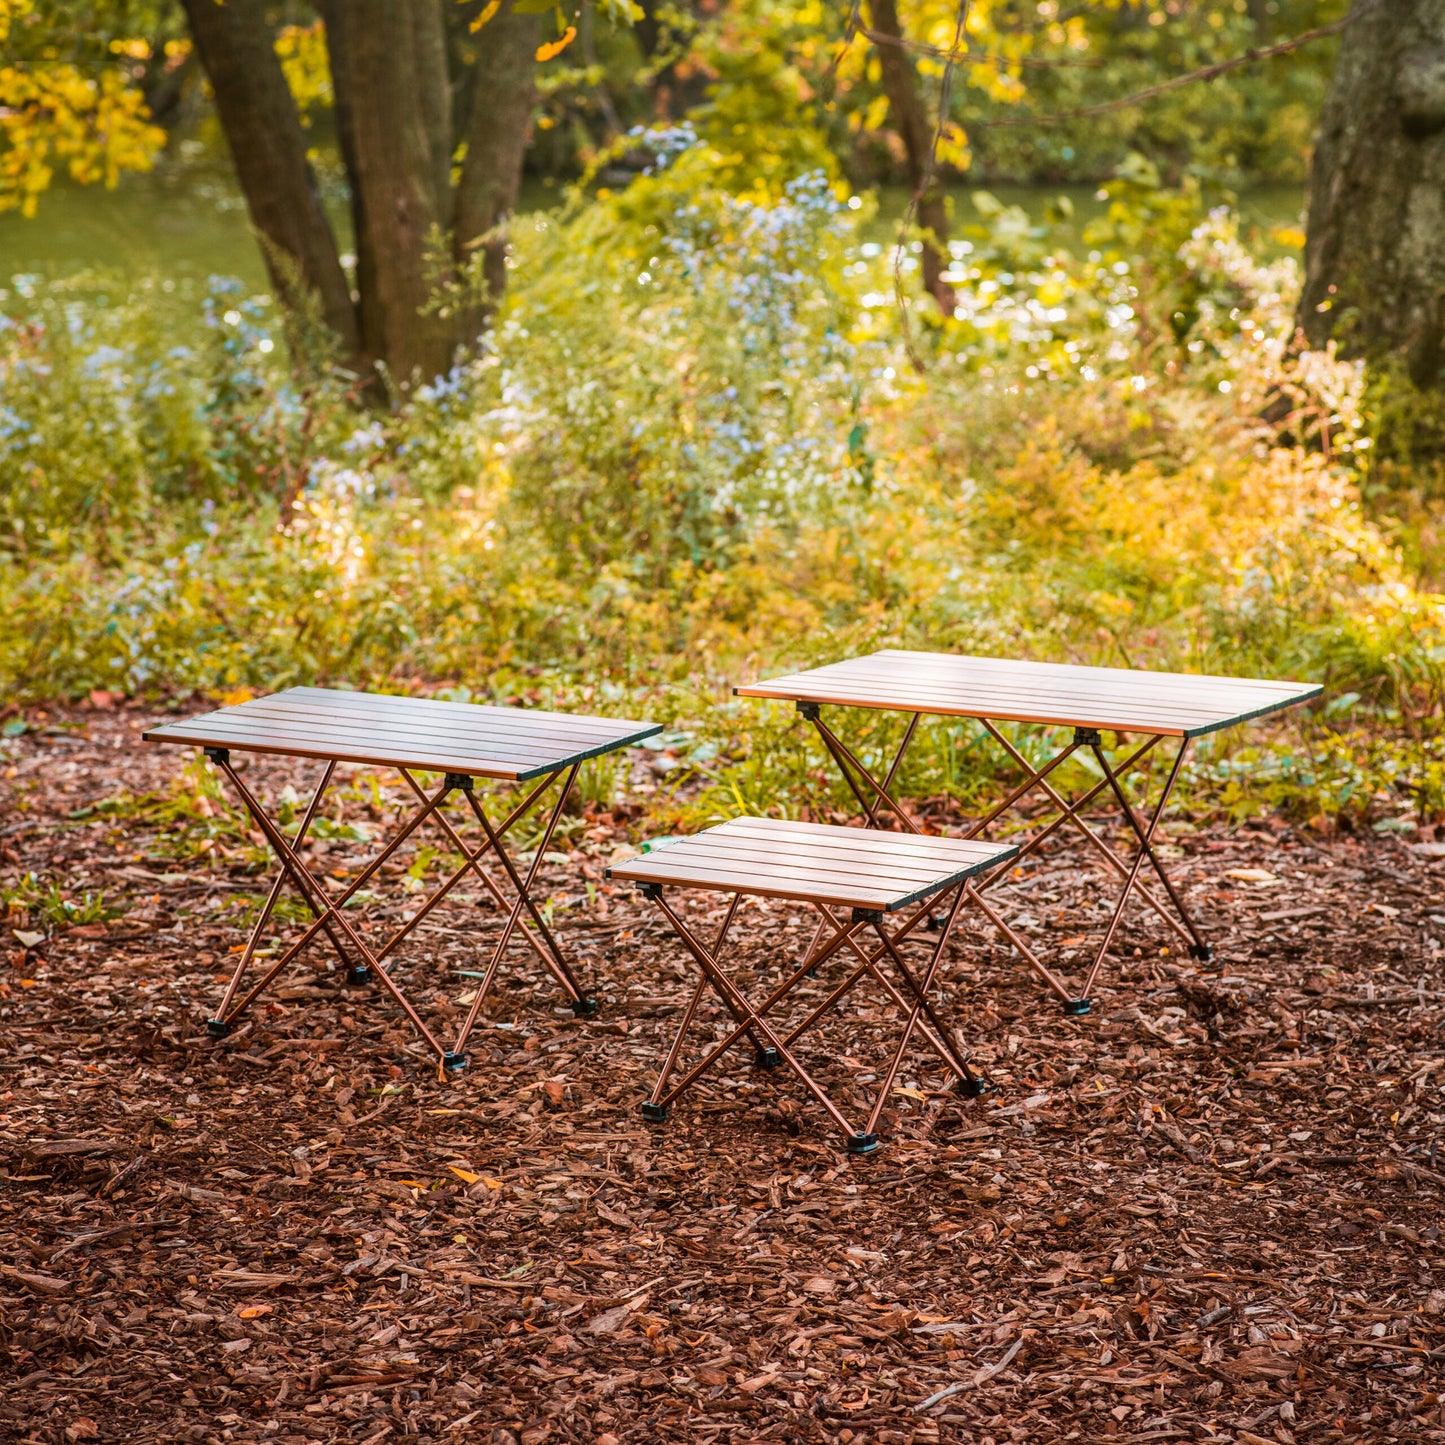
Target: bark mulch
[[1211, 1211]]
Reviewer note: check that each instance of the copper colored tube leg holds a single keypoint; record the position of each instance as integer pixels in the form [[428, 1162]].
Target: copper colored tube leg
[[264, 916], [309, 887], [1145, 850]]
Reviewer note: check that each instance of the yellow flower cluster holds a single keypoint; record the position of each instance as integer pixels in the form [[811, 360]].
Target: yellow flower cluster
[[306, 64], [53, 115], [10, 11]]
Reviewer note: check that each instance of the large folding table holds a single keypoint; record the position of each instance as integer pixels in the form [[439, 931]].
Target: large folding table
[[460, 741], [1152, 706]]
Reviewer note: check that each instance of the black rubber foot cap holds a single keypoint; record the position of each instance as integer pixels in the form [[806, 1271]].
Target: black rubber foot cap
[[584, 1008], [768, 1058], [862, 1143], [217, 1028], [1202, 951], [454, 1063], [1076, 1008], [654, 1113], [358, 976], [975, 1087]]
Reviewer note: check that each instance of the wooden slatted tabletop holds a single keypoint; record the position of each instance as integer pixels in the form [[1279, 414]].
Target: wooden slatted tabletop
[[1170, 704], [814, 863], [513, 743]]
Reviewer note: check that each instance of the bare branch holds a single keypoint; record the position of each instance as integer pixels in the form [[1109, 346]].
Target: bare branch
[[1205, 72], [934, 52], [926, 179], [1123, 102]]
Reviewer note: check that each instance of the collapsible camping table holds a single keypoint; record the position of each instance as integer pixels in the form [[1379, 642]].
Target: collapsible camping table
[[462, 742], [1090, 700], [855, 880]]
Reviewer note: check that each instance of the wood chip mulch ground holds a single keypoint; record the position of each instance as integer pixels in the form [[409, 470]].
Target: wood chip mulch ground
[[1210, 1211]]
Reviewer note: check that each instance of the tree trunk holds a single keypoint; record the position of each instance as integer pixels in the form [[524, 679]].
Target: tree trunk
[[268, 148], [393, 106], [1375, 254], [386, 79], [915, 130], [368, 324], [496, 143]]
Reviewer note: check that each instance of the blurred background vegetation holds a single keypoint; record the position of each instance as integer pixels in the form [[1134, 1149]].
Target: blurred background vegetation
[[709, 422]]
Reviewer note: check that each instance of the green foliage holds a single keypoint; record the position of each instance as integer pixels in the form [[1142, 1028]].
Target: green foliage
[[691, 452], [1249, 125], [1406, 421], [691, 393], [49, 901]]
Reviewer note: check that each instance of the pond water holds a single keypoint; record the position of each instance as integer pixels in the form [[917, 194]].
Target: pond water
[[187, 222]]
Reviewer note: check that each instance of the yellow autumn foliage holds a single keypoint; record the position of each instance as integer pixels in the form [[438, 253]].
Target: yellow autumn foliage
[[10, 11], [54, 116], [306, 64]]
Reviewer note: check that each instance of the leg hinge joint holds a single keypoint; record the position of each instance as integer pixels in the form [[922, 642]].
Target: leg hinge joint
[[867, 915], [809, 710], [650, 890], [1087, 738], [462, 782], [219, 756]]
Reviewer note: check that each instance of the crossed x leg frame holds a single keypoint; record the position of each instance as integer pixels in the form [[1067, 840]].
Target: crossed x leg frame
[[773, 1045], [365, 963], [876, 797]]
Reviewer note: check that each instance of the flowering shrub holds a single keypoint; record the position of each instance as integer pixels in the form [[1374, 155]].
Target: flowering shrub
[[693, 449], [707, 386]]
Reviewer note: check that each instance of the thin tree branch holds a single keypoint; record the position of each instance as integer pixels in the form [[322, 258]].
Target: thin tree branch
[[830, 76], [925, 180], [934, 52], [1205, 72], [1123, 102]]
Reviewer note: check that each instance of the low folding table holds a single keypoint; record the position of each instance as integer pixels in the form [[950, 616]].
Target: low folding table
[[462, 742], [1089, 700], [856, 880]]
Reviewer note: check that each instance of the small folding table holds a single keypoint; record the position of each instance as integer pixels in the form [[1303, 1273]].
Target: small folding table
[[461, 741], [1089, 700], [856, 880]]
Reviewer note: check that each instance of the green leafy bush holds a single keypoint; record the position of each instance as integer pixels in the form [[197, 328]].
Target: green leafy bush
[[693, 451]]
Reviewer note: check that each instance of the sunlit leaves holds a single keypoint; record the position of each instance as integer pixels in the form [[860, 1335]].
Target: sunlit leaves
[[10, 11], [555, 47], [306, 66], [54, 116], [486, 13]]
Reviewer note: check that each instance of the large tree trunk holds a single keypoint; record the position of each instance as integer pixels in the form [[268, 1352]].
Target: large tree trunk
[[1375, 254], [496, 143], [390, 74], [263, 131], [413, 230], [915, 130]]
